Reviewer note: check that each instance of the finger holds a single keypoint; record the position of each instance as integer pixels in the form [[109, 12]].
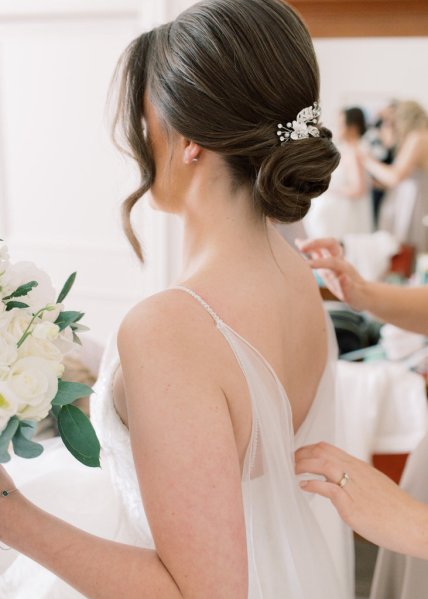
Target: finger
[[330, 263], [323, 450], [331, 470], [324, 488], [329, 243]]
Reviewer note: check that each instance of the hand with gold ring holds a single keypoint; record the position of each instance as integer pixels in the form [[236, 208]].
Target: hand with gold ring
[[367, 500]]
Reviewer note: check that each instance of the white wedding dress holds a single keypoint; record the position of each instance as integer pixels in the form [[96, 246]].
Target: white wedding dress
[[297, 546]]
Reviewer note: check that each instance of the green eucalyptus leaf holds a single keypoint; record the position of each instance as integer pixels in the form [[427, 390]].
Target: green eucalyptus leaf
[[76, 339], [6, 437], [65, 319], [22, 444], [28, 428], [13, 304], [69, 392], [66, 289], [22, 290], [79, 436]]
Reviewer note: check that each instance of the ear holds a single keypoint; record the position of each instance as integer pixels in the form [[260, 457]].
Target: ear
[[191, 152]]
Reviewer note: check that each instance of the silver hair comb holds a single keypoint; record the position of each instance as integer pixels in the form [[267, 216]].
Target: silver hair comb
[[303, 126]]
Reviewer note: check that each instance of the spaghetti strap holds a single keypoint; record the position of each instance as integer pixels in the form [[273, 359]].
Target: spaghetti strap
[[203, 303]]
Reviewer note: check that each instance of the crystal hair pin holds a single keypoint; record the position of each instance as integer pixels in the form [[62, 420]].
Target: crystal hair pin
[[303, 126]]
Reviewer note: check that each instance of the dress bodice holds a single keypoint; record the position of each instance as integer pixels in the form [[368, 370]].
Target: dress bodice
[[288, 553]]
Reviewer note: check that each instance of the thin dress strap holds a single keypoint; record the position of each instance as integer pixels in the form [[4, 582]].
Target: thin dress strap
[[203, 303]]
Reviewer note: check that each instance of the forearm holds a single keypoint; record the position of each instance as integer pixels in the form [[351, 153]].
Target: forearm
[[97, 568], [384, 173], [402, 306], [419, 548]]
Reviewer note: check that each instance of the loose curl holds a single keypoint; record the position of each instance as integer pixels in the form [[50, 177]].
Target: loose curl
[[223, 74]]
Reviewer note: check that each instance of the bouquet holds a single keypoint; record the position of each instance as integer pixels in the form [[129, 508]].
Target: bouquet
[[35, 335]]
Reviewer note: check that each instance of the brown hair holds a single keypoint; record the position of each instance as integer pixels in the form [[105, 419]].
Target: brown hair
[[224, 74]]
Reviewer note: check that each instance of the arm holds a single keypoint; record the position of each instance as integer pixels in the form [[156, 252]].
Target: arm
[[407, 160], [188, 468], [356, 184], [373, 505], [403, 306]]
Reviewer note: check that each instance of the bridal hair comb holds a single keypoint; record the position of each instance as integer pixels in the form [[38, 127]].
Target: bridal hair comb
[[303, 126]]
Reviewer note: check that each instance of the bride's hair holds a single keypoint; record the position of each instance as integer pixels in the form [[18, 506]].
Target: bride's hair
[[224, 74]]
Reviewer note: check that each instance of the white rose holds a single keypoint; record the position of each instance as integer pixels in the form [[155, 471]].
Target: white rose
[[34, 382], [14, 323], [8, 353], [4, 257], [40, 348], [8, 404], [24, 272], [46, 330]]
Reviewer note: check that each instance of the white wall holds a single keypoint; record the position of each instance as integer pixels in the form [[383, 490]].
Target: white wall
[[61, 179], [370, 71]]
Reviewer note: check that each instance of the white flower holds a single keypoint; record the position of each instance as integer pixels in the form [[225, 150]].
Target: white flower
[[53, 313], [4, 257], [8, 353], [8, 404], [46, 330], [24, 272], [34, 382], [14, 323], [40, 348]]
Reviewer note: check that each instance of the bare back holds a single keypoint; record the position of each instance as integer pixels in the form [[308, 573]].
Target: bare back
[[274, 303]]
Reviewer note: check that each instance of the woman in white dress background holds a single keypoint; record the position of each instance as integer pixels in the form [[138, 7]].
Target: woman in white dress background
[[198, 427], [346, 206]]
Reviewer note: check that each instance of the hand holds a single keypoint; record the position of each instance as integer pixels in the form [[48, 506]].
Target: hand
[[370, 503], [339, 276]]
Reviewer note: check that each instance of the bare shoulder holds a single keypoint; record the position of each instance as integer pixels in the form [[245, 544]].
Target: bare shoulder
[[169, 324]]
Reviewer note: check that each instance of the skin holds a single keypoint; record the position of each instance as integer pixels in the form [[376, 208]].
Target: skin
[[404, 307], [370, 502], [183, 396], [413, 155], [356, 181]]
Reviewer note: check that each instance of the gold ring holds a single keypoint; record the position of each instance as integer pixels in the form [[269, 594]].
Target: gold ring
[[343, 480]]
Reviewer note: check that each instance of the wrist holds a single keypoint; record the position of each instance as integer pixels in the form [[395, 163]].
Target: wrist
[[367, 296], [12, 508]]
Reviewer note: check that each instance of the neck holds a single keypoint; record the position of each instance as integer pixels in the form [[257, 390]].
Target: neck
[[220, 227]]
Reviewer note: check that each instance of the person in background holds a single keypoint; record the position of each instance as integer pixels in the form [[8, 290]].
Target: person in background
[[345, 207], [404, 211], [381, 140], [394, 518]]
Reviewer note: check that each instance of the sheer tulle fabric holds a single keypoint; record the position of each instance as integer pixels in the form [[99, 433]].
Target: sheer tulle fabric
[[297, 547]]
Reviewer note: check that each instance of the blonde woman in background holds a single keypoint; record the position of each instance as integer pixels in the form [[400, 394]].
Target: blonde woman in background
[[404, 210]]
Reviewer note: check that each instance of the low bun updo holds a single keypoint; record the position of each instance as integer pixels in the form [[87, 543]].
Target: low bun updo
[[224, 74], [293, 174]]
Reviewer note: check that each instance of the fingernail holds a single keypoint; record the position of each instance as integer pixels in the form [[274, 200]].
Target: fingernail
[[304, 483]]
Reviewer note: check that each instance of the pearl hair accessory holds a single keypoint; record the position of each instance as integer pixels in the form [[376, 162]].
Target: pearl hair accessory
[[300, 129]]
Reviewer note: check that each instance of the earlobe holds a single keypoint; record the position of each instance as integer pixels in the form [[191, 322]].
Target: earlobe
[[191, 152]]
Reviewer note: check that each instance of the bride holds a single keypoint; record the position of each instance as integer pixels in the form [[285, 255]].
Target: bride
[[200, 414]]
